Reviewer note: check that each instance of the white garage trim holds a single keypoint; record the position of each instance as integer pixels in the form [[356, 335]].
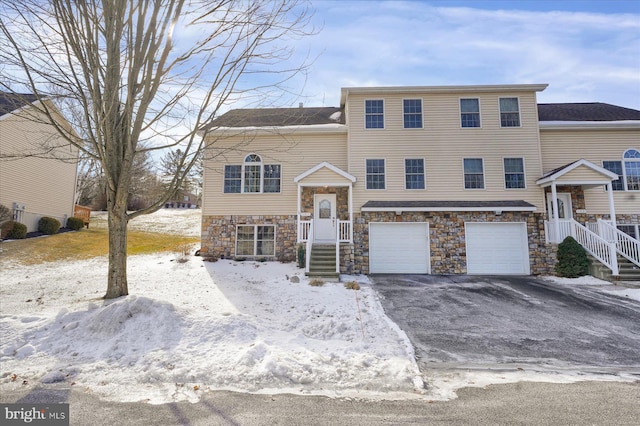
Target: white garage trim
[[399, 247], [497, 248]]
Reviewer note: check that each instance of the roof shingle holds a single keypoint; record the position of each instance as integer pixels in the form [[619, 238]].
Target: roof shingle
[[276, 117], [591, 111], [10, 102]]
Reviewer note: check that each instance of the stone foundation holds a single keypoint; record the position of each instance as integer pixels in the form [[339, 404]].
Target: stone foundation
[[447, 238]]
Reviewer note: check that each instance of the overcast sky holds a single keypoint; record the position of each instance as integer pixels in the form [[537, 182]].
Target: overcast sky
[[587, 51]]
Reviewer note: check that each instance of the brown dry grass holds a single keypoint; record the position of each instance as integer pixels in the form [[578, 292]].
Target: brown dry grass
[[85, 244]]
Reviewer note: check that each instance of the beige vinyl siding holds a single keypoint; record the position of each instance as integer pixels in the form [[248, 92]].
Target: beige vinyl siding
[[581, 174], [324, 176], [295, 154], [443, 144], [45, 186], [561, 147]]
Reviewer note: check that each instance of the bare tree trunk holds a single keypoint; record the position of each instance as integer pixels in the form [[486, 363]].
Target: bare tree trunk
[[117, 277]]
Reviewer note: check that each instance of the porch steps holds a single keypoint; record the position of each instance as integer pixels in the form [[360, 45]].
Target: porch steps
[[628, 271], [323, 261]]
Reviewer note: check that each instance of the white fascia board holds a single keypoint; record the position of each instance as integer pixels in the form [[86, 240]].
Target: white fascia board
[[448, 209], [279, 130], [554, 177], [504, 88], [327, 165], [586, 125]]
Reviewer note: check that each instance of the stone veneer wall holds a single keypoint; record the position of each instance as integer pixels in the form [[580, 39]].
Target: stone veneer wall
[[447, 238], [342, 199], [219, 235]]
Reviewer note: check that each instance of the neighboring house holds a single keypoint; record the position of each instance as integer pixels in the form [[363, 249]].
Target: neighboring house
[[442, 180], [36, 185]]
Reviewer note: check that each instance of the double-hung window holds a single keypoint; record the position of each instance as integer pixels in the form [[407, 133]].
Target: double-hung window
[[412, 113], [470, 112], [509, 112], [473, 173], [628, 171], [414, 173], [252, 176], [255, 240], [513, 173], [375, 174], [374, 114]]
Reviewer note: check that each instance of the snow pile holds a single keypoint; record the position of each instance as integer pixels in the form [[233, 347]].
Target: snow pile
[[197, 326], [630, 289]]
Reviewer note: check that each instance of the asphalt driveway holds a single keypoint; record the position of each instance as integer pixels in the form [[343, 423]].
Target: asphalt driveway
[[471, 321]]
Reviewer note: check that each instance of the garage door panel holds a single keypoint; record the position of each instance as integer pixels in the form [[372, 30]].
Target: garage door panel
[[497, 248], [399, 248]]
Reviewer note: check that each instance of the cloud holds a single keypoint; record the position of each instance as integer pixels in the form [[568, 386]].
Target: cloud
[[583, 56]]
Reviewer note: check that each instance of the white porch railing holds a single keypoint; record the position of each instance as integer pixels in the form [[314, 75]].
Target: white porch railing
[[343, 231], [304, 226], [338, 230], [598, 247], [625, 244], [308, 245]]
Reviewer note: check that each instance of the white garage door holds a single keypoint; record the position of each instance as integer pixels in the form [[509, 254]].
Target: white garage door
[[399, 247], [497, 248]]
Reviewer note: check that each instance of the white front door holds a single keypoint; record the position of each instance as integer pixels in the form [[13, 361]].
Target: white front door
[[324, 213], [564, 205]]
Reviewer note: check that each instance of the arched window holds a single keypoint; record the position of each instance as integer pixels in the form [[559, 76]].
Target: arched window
[[252, 176], [252, 173], [631, 160], [628, 171]]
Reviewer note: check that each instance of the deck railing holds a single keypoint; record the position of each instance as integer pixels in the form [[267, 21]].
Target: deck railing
[[344, 231], [626, 245]]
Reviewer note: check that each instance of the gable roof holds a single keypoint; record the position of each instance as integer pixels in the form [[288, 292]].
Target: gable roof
[[554, 174], [590, 111], [278, 117], [10, 102], [326, 165]]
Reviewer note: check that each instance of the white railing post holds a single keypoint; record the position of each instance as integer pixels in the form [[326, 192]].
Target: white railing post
[[308, 248], [338, 249], [613, 253]]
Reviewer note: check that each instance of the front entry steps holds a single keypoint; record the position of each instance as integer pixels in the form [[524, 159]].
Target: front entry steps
[[323, 261], [628, 270]]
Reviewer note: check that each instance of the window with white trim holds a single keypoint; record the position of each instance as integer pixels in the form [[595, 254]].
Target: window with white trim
[[470, 112], [627, 169], [509, 112], [374, 114], [255, 240], [252, 176], [375, 174], [513, 173], [412, 109], [414, 173], [473, 173]]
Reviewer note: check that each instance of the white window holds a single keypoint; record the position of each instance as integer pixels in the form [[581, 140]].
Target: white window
[[375, 174], [509, 112], [414, 173], [627, 169], [255, 240], [513, 173], [470, 112], [473, 173], [252, 176], [374, 114], [412, 113]]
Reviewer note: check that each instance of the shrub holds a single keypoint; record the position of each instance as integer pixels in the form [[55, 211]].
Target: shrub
[[301, 256], [18, 231], [316, 282], [75, 223], [49, 225], [572, 259]]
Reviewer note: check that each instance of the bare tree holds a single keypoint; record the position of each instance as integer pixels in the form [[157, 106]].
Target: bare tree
[[134, 76]]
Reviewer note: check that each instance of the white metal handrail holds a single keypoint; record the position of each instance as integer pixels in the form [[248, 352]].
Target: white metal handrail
[[338, 248], [625, 244], [595, 245]]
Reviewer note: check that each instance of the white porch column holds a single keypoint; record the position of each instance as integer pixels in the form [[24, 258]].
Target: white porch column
[[612, 209], [554, 208], [298, 209], [351, 212]]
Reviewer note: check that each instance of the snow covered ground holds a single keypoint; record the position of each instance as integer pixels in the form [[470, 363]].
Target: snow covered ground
[[190, 326]]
